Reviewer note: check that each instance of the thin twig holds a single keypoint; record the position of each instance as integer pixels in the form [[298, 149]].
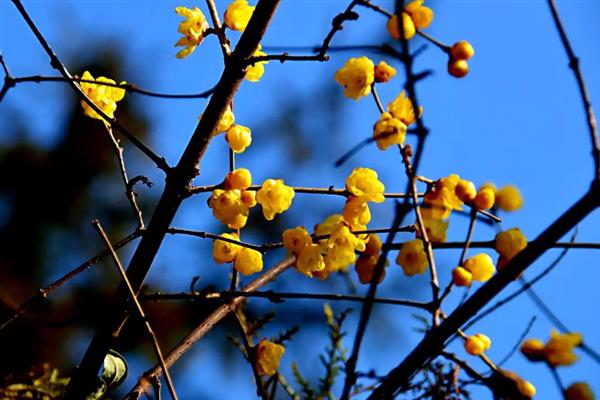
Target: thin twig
[[304, 190], [140, 310], [557, 380], [218, 28], [44, 292], [585, 96], [129, 193], [278, 297], [55, 62], [518, 342], [129, 87]]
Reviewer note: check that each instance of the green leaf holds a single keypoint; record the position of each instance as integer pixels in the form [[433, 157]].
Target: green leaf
[[115, 369]]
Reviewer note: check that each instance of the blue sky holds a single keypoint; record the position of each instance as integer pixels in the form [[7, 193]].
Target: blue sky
[[517, 118]]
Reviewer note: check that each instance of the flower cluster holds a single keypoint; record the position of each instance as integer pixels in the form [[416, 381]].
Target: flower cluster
[[480, 268], [245, 260], [358, 75], [268, 356], [391, 127], [274, 197], [558, 351], [104, 97], [193, 28], [308, 255], [477, 344], [415, 16], [459, 54]]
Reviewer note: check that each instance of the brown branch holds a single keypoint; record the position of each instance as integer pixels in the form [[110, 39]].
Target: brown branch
[[176, 190], [44, 292], [278, 297], [434, 341], [585, 96], [304, 190], [130, 87], [96, 224], [209, 322], [218, 28]]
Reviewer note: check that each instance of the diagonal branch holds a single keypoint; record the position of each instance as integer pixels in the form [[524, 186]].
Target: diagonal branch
[[434, 341], [138, 306]]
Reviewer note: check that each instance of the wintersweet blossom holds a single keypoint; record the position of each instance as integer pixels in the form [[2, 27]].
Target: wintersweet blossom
[[255, 71], [477, 344], [356, 76], [193, 29], [248, 261], [239, 138], [238, 15], [508, 198], [296, 239], [480, 266], [268, 356], [384, 72], [224, 252], [579, 391], [310, 260], [104, 97], [239, 179], [365, 185], [227, 206], [415, 16], [439, 202], [356, 211], [412, 257], [402, 108], [510, 242], [558, 351], [274, 197], [388, 131], [367, 261]]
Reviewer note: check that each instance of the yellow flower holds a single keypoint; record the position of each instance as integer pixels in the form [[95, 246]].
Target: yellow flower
[[526, 388], [364, 184], [412, 257], [458, 68], [249, 198], [224, 252], [227, 206], [268, 356], [415, 16], [461, 277], [238, 15], [274, 197], [436, 229], [192, 28], [239, 179], [509, 243], [239, 137], [104, 97], [356, 76], [294, 240], [310, 259], [439, 202], [248, 261], [328, 225], [255, 71], [485, 198], [508, 198], [365, 266], [402, 108], [559, 349], [480, 266], [384, 72], [579, 391], [340, 249], [461, 51], [465, 191], [373, 246], [533, 349], [477, 344], [226, 120], [356, 211], [388, 131]]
